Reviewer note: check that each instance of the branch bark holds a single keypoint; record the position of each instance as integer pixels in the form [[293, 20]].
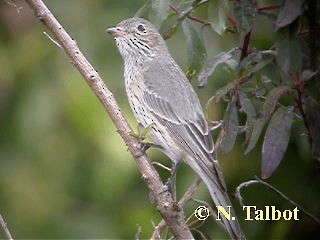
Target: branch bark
[[185, 198], [168, 208], [5, 228]]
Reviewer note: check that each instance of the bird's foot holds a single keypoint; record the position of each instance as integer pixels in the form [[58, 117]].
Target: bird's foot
[[144, 146]]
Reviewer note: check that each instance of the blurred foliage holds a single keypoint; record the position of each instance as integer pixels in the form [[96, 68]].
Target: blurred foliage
[[65, 172]]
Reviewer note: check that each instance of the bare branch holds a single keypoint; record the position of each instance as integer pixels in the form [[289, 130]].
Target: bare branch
[[185, 198], [169, 209], [258, 180], [5, 228], [162, 166]]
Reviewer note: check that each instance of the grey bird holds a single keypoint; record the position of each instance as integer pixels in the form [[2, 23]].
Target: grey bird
[[161, 96]]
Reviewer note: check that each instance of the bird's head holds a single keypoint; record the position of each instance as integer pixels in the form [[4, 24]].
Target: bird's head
[[137, 38]]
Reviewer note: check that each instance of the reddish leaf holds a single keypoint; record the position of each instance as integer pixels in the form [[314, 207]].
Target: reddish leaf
[[265, 112], [276, 140], [272, 99], [290, 11], [210, 66]]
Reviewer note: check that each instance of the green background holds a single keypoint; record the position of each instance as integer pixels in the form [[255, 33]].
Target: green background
[[66, 173]]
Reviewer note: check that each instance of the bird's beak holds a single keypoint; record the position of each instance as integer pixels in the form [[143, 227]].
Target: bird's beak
[[116, 32]]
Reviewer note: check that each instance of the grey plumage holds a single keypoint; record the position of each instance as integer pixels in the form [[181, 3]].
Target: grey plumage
[[160, 94]]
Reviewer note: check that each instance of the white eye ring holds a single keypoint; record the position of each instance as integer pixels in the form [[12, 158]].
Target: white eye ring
[[141, 28]]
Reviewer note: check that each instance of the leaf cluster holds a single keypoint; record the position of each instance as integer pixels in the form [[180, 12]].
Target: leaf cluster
[[267, 87]]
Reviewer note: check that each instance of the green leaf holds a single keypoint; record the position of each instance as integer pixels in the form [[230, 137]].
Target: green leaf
[[255, 134], [289, 12], [229, 131], [272, 99], [245, 13], [246, 105], [256, 61], [248, 108], [221, 92], [276, 140], [289, 52], [210, 66], [218, 14], [196, 49], [159, 11]]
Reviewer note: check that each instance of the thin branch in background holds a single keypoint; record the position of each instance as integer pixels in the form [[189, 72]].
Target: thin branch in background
[[269, 7], [169, 209], [13, 4], [187, 196], [52, 40], [137, 236], [162, 166], [299, 87], [5, 228], [186, 14], [259, 181]]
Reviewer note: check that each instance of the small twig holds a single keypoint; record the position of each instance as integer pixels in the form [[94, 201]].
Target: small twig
[[269, 7], [191, 190], [5, 228], [299, 87], [138, 234], [199, 20], [185, 14], [52, 40], [185, 198], [12, 3], [161, 165], [258, 180]]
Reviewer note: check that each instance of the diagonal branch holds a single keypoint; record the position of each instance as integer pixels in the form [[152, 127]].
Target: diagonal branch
[[5, 228], [169, 209], [185, 198]]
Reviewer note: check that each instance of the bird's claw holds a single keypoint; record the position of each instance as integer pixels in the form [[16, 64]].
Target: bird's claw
[[144, 146]]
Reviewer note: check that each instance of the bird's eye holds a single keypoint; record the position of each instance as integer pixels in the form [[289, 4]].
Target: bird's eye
[[141, 28]]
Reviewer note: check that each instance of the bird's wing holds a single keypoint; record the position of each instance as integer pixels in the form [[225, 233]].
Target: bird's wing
[[171, 98]]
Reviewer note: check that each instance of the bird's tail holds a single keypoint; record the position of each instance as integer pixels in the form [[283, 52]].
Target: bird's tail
[[212, 177]]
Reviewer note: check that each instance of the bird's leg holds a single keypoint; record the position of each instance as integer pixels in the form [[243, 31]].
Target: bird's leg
[[145, 146], [141, 136], [171, 183]]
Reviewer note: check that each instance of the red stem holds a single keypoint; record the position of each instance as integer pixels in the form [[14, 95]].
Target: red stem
[[269, 7], [245, 46]]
